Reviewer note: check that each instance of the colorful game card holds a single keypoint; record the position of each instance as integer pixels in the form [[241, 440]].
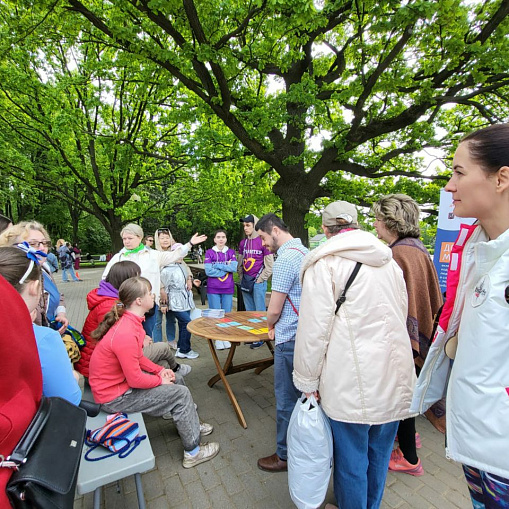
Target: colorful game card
[[256, 331], [225, 320], [223, 324], [254, 320], [258, 314], [235, 324], [264, 330], [245, 327], [264, 318]]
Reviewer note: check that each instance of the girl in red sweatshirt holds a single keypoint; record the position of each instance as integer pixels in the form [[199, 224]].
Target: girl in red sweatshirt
[[124, 380]]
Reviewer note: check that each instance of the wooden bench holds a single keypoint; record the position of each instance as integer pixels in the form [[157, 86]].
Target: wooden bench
[[93, 475]]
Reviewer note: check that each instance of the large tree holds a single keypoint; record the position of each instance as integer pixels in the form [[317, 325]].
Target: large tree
[[313, 88]]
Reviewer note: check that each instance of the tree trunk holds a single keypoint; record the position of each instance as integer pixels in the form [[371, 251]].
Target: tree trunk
[[297, 198]]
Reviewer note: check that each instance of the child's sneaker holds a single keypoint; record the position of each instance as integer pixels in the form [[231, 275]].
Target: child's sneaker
[[206, 429], [184, 369], [398, 463], [188, 355], [206, 452]]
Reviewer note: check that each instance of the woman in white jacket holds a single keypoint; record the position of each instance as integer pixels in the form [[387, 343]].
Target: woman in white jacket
[[476, 316]]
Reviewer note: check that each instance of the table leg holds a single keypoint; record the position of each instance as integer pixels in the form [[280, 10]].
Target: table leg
[[139, 491], [97, 498], [222, 377]]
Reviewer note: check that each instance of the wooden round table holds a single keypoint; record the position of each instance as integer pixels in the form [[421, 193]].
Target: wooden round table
[[236, 327]]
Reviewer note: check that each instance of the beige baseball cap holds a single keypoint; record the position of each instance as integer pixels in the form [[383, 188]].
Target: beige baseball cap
[[339, 210]]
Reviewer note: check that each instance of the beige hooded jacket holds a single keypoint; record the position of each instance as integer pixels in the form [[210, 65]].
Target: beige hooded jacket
[[360, 359]]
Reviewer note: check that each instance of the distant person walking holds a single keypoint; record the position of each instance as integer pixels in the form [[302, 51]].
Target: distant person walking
[[77, 259], [66, 261]]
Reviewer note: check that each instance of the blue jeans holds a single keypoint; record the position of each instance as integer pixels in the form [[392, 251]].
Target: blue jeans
[[184, 341], [361, 459], [255, 301], [220, 301], [285, 392], [71, 272], [150, 322], [157, 335]]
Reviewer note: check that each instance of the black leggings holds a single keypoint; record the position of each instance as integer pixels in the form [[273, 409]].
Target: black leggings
[[406, 439]]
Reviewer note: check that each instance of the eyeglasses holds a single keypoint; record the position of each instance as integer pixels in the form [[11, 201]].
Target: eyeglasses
[[150, 240], [38, 243], [164, 229]]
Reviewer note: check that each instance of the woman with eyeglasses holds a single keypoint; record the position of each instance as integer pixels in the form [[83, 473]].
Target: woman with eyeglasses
[[52, 305], [474, 324], [150, 261]]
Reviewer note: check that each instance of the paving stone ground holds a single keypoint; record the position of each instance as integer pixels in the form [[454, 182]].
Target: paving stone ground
[[232, 479]]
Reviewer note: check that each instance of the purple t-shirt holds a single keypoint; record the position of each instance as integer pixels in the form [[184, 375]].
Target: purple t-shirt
[[253, 252], [224, 283]]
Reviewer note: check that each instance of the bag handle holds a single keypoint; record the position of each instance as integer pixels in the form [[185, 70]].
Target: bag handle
[[20, 453], [342, 297], [123, 452]]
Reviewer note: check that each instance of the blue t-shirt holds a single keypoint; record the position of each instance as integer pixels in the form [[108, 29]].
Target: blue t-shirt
[[285, 279], [57, 377]]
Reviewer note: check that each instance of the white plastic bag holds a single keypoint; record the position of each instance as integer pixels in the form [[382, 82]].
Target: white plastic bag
[[310, 454]]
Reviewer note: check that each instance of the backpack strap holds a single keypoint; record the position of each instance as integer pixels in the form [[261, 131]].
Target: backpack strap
[[342, 297], [288, 297]]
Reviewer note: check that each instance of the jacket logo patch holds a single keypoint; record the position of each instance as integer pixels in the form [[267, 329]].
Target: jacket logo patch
[[507, 390], [481, 291]]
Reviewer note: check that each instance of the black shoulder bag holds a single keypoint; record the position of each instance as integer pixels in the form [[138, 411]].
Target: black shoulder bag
[[342, 297], [47, 458]]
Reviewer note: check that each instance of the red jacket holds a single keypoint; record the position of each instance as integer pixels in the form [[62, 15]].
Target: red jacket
[[118, 363], [20, 375], [98, 306]]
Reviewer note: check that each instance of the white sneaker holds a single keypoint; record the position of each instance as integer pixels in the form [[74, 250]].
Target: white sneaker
[[184, 369], [226, 345], [219, 345], [207, 452], [189, 355], [205, 428]]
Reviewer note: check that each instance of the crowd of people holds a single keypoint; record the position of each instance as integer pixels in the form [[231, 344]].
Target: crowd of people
[[354, 323]]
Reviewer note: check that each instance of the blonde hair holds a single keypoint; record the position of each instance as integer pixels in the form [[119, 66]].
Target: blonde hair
[[400, 215], [20, 232], [133, 229], [60, 243]]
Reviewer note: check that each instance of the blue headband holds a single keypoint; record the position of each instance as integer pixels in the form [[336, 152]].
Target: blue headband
[[34, 257]]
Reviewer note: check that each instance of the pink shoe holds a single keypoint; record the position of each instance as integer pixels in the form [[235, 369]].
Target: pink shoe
[[398, 463]]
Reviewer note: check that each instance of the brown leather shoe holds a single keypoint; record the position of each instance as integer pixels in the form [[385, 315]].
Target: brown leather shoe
[[272, 464]]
